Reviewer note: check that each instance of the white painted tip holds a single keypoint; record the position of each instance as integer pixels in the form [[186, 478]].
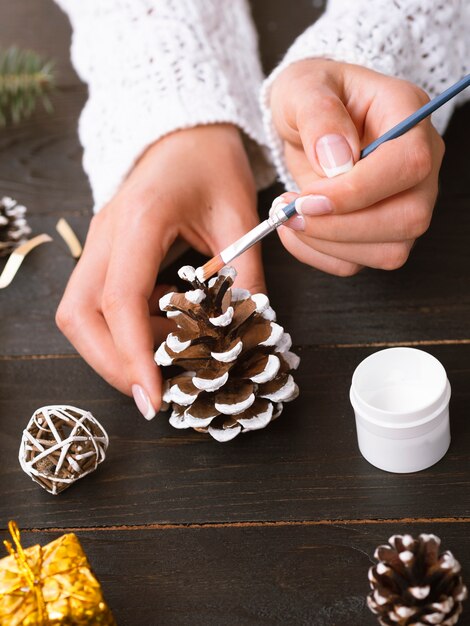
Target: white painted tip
[[229, 272], [272, 367], [224, 434], [165, 301], [175, 344], [195, 296], [236, 407], [206, 384], [229, 355], [224, 319], [187, 272], [162, 357]]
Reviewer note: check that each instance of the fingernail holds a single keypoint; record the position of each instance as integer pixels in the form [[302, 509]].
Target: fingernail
[[296, 223], [143, 402], [278, 203], [334, 155], [313, 205]]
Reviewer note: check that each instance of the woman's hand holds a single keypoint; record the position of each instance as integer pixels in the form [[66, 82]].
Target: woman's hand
[[195, 184], [371, 214]]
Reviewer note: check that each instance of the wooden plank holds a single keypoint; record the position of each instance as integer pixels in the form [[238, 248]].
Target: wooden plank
[[305, 466], [41, 159], [39, 25], [242, 576]]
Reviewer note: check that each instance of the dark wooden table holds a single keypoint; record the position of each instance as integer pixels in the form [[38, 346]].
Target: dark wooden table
[[276, 527]]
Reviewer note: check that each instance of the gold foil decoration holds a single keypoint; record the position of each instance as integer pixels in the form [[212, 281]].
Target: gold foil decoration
[[50, 585]]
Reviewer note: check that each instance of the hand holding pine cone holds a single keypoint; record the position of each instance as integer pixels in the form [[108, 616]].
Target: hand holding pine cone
[[237, 359], [412, 585]]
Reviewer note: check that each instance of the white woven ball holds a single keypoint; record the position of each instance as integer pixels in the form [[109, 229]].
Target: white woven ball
[[60, 445]]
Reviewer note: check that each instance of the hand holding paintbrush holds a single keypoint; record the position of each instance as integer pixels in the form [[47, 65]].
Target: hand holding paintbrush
[[282, 211]]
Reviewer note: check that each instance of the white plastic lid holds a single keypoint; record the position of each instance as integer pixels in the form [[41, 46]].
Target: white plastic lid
[[400, 398]]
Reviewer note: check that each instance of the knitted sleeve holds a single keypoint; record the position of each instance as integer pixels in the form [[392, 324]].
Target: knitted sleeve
[[426, 43], [156, 66]]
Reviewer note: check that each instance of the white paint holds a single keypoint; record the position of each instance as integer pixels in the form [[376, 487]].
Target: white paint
[[420, 592], [292, 360], [200, 274], [224, 319], [287, 392], [271, 369], [228, 272], [175, 344], [178, 421], [269, 314], [165, 301], [284, 344], [171, 314], [195, 296], [258, 421], [210, 384], [261, 302], [229, 355], [224, 434], [162, 357], [187, 272], [239, 294], [237, 407], [405, 611], [382, 568], [406, 556], [275, 336], [175, 394]]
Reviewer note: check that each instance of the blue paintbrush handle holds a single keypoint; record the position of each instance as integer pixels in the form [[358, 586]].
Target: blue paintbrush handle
[[406, 124]]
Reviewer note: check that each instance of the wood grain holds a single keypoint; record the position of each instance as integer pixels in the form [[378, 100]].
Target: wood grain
[[305, 466], [246, 576]]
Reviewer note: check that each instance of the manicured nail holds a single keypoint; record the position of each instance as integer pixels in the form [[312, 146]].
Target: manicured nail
[[313, 205], [334, 154], [278, 203], [143, 402], [296, 223]]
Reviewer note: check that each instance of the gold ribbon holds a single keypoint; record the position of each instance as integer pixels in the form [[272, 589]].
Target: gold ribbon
[[33, 583]]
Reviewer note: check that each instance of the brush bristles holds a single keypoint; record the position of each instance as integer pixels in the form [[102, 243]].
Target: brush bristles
[[210, 268]]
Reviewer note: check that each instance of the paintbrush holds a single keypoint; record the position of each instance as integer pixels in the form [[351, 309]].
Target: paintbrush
[[281, 215]]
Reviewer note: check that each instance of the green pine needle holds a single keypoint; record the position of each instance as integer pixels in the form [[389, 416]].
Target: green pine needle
[[25, 79]]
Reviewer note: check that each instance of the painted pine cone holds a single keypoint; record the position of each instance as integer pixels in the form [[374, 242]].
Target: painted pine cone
[[236, 358], [14, 229], [414, 585]]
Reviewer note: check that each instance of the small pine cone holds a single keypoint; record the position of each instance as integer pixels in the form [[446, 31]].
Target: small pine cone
[[14, 229], [237, 359], [412, 585]]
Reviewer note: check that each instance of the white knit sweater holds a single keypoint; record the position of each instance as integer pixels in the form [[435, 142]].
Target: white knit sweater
[[155, 66]]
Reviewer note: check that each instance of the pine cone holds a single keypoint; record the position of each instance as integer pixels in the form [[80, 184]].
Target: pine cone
[[236, 358], [412, 585], [14, 229]]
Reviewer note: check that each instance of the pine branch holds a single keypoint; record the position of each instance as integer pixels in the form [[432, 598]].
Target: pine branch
[[25, 79]]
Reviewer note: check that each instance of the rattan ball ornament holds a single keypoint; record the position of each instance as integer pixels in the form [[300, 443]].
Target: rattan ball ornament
[[235, 359], [413, 584], [60, 445]]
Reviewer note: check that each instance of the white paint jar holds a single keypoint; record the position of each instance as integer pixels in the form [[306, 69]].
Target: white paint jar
[[401, 399]]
